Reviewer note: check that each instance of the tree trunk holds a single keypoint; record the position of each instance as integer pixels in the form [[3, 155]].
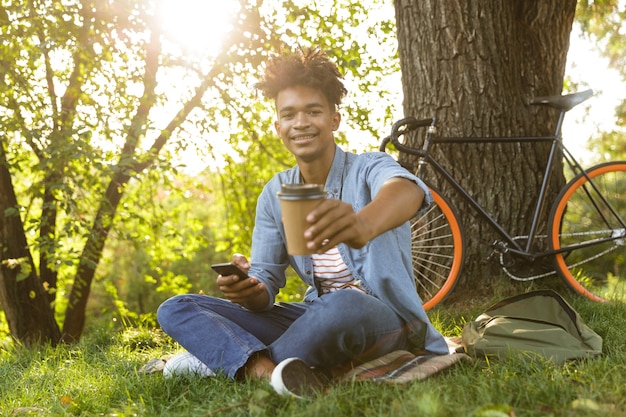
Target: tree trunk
[[475, 66], [92, 253], [22, 296], [47, 234]]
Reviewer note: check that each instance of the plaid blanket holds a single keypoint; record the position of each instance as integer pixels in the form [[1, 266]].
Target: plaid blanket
[[400, 367]]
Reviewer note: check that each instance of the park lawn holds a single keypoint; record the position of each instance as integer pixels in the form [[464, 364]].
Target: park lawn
[[99, 377]]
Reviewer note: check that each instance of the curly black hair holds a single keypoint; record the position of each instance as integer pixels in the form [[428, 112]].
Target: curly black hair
[[309, 68]]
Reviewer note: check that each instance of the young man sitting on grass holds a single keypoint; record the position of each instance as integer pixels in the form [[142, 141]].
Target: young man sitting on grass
[[361, 306]]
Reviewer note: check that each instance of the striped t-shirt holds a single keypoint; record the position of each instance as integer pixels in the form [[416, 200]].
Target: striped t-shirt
[[331, 273]]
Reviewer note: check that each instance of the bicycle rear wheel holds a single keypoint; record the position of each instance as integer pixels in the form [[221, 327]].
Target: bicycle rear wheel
[[588, 226], [438, 249]]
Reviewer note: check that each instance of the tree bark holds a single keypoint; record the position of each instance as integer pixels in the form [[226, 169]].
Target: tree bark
[[22, 296], [475, 66]]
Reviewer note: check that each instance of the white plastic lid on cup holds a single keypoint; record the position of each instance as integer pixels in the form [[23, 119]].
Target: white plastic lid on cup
[[301, 191]]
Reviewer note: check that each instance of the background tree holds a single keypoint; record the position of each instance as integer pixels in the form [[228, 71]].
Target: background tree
[[92, 92], [475, 66]]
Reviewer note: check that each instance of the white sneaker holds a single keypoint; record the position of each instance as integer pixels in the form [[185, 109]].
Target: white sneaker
[[292, 377], [184, 364]]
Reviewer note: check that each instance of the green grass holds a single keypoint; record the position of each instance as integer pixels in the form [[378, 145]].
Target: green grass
[[98, 377]]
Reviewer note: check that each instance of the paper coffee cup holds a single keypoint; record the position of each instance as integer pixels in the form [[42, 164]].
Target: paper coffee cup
[[296, 202]]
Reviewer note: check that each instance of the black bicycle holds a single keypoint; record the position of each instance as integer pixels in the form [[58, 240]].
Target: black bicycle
[[586, 236]]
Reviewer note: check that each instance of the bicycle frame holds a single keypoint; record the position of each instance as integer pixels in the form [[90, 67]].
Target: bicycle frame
[[557, 149], [427, 158]]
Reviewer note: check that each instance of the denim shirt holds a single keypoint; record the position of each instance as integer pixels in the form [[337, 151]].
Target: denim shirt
[[383, 265]]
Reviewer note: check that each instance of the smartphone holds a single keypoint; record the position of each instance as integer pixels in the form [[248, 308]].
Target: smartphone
[[229, 269]]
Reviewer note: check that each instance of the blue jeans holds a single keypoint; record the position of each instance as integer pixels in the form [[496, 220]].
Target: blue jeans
[[332, 330]]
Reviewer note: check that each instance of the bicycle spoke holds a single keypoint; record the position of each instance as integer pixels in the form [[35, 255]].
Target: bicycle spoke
[[430, 255], [430, 265]]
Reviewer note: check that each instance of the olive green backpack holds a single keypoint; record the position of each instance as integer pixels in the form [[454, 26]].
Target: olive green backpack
[[535, 324]]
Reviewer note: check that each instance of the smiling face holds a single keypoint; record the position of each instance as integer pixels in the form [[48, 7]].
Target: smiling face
[[306, 122]]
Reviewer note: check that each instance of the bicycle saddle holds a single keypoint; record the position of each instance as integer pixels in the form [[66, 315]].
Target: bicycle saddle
[[564, 103]]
